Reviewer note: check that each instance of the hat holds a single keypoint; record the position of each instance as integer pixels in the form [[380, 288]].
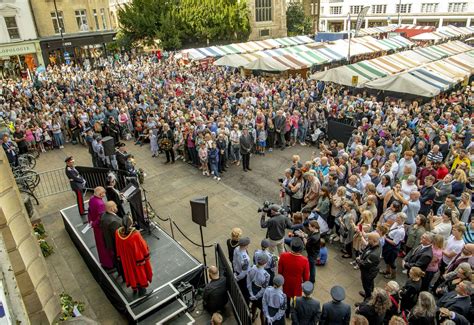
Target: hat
[[265, 243], [244, 241], [68, 159], [338, 293], [296, 244], [308, 288], [275, 207], [261, 258], [278, 280]]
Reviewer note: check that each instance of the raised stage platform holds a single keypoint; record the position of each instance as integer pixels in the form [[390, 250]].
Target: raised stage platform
[[172, 265]]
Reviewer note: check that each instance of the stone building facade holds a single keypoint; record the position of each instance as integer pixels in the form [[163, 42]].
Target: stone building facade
[[28, 265], [267, 19]]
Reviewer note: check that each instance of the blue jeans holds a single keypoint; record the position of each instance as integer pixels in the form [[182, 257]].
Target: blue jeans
[[58, 139], [312, 268], [302, 134], [236, 152], [215, 169]]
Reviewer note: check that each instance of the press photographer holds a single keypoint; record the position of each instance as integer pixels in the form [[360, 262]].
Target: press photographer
[[276, 224]]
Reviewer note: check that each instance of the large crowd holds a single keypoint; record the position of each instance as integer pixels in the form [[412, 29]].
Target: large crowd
[[399, 191]]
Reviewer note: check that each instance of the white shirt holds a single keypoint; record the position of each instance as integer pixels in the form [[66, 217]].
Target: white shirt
[[453, 245], [443, 229]]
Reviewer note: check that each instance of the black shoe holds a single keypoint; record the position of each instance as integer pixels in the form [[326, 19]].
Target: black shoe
[[249, 169], [362, 294], [142, 291]]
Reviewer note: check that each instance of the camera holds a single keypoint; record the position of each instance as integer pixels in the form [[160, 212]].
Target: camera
[[280, 180], [266, 207]]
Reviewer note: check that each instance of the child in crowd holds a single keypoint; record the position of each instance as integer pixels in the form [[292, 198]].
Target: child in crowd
[[323, 254], [203, 158], [214, 160], [261, 140], [38, 132], [153, 143]]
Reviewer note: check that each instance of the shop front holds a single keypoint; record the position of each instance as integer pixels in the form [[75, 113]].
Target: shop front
[[19, 59], [76, 48]]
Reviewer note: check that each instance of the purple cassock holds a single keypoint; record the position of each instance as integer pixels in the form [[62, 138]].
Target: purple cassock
[[96, 209]]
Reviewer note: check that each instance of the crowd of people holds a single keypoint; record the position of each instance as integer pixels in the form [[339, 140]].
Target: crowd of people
[[399, 190]]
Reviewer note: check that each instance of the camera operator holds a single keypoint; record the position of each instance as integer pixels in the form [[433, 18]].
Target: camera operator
[[276, 225]]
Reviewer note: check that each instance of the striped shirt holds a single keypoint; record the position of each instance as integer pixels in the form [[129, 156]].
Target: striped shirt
[[436, 157], [468, 236]]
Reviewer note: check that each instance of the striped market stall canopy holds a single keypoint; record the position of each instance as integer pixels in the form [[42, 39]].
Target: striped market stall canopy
[[377, 30], [247, 47]]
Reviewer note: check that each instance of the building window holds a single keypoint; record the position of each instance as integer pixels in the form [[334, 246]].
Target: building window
[[404, 8], [58, 22], [333, 10], [457, 6], [429, 7], [263, 10], [379, 9], [264, 32], [81, 20], [314, 9], [102, 16], [96, 19], [12, 27], [355, 10]]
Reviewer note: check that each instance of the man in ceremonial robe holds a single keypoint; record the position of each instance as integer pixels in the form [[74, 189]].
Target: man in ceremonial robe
[[109, 223], [96, 210], [134, 256]]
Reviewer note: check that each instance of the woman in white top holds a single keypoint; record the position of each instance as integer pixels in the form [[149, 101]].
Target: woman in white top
[[408, 186], [464, 207], [441, 225], [392, 245]]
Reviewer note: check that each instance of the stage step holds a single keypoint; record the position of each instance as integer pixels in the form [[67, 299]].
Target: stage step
[[183, 319], [168, 313], [153, 301]]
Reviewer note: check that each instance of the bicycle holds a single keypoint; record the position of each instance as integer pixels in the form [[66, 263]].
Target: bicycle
[[24, 189], [26, 176], [27, 160]]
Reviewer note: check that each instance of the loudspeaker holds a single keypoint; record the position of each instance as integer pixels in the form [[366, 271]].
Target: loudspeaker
[[199, 210], [109, 146]]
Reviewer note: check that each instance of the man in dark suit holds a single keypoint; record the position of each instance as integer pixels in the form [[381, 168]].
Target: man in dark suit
[[368, 263], [121, 155], [336, 312], [77, 183], [305, 310], [280, 123], [421, 255], [214, 297], [109, 223], [246, 143], [458, 300]]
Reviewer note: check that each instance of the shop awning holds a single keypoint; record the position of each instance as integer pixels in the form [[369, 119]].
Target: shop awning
[[266, 64], [341, 75], [404, 83]]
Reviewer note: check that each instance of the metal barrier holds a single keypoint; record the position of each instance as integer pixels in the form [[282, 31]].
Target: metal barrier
[[98, 176], [52, 182], [241, 309]]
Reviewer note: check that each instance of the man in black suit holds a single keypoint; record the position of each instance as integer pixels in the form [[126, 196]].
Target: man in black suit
[[421, 255], [77, 183], [368, 263], [214, 297], [458, 300], [336, 312], [280, 123], [246, 143]]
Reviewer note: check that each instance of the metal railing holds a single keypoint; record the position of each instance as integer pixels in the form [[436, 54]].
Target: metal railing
[[52, 182], [241, 309]]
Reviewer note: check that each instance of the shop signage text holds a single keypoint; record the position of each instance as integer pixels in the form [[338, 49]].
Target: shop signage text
[[17, 49]]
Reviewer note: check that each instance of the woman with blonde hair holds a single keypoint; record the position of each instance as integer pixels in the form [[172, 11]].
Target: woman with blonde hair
[[424, 311], [409, 292], [465, 207], [233, 242], [459, 183], [363, 227]]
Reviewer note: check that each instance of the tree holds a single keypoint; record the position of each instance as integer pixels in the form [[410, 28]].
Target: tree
[[296, 21]]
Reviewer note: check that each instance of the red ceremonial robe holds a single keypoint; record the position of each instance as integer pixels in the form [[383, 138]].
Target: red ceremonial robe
[[134, 255], [295, 271]]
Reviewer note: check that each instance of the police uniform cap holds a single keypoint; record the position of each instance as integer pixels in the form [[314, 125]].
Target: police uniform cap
[[338, 293], [265, 243], [68, 159], [261, 258], [244, 241], [296, 244], [308, 287], [278, 280]]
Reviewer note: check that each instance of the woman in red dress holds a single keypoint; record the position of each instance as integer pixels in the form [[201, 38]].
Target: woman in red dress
[[295, 270], [134, 255]]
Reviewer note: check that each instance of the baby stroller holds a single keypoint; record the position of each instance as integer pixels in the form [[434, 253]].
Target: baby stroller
[[318, 136]]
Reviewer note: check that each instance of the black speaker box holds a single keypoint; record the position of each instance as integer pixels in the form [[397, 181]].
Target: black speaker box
[[199, 210], [109, 146]]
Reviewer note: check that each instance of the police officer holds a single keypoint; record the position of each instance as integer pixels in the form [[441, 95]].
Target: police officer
[[257, 281], [270, 267], [306, 310], [77, 183], [274, 302], [242, 263]]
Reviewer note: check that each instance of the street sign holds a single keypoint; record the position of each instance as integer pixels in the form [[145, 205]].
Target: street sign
[[355, 81]]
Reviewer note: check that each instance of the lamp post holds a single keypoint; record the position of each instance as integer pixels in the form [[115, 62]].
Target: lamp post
[[399, 11]]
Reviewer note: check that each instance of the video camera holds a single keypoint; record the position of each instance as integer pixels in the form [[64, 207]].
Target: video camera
[[266, 207]]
